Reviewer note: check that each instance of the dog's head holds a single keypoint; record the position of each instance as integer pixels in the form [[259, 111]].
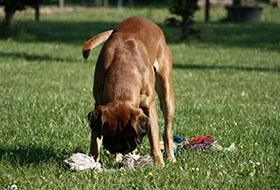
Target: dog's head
[[121, 126]]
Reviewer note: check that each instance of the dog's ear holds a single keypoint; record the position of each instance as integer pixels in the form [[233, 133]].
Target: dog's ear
[[141, 125], [93, 116], [96, 122]]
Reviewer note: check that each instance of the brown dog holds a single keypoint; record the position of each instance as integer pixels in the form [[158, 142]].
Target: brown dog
[[133, 62]]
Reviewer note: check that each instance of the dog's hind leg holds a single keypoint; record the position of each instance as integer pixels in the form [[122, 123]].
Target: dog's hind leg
[[163, 69]]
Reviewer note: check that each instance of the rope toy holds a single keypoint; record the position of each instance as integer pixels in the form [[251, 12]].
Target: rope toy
[[83, 162], [204, 143]]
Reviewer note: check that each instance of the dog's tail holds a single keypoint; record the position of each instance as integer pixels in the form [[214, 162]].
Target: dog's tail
[[95, 41]]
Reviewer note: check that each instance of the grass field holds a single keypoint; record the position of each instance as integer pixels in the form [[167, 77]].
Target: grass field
[[226, 85]]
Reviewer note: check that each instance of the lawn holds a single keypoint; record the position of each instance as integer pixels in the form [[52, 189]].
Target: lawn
[[226, 85]]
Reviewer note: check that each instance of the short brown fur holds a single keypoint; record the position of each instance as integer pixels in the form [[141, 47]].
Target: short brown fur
[[133, 63]]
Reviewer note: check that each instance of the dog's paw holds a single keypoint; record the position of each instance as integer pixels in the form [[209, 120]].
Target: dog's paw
[[159, 164], [172, 159], [118, 157]]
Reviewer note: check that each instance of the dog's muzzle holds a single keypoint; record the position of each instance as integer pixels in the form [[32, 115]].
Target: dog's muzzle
[[114, 145]]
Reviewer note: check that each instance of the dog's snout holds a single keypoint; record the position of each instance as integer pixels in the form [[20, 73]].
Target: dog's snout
[[119, 146]]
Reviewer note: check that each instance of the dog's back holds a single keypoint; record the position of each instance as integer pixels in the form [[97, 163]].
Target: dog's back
[[132, 33], [142, 29], [129, 52]]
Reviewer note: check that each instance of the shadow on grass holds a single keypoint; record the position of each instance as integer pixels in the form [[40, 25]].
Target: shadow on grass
[[75, 33], [25, 156], [242, 35], [264, 35], [206, 67], [32, 57]]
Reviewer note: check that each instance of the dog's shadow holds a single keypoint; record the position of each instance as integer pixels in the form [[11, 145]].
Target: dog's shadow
[[36, 156], [25, 156]]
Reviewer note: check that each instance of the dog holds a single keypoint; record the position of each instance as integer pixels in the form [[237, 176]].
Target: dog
[[134, 62]]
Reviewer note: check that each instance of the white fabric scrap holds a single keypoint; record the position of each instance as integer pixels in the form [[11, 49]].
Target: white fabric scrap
[[82, 162], [218, 147]]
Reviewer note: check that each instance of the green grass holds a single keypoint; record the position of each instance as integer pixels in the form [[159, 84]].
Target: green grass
[[226, 85]]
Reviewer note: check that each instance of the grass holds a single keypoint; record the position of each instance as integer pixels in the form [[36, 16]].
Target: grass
[[226, 85]]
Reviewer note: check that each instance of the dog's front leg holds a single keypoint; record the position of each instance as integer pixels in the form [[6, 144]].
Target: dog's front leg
[[118, 157], [95, 146], [154, 137]]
